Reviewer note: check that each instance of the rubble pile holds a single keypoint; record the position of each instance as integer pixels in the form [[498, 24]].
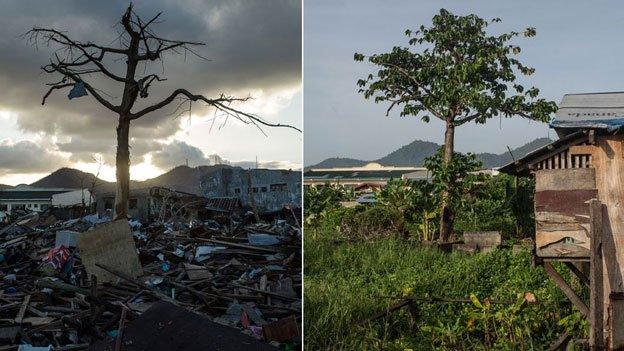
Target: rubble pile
[[69, 285]]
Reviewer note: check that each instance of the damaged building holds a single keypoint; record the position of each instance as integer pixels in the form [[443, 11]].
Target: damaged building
[[146, 204], [266, 189]]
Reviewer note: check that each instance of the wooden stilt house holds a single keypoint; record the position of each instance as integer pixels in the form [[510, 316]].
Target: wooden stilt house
[[579, 206]]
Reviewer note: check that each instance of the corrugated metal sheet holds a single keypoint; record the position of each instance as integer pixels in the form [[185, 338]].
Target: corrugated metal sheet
[[596, 111], [224, 204]]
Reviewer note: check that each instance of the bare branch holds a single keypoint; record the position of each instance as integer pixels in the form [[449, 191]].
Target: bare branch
[[52, 35], [221, 103], [55, 87], [76, 78]]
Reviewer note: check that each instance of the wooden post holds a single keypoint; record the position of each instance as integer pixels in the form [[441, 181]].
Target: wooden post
[[596, 291], [567, 290]]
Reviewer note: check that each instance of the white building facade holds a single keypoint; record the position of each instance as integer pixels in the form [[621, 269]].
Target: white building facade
[[25, 197]]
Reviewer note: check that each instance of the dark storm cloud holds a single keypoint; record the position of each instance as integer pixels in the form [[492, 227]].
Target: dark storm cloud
[[177, 153], [27, 157], [250, 45], [84, 149]]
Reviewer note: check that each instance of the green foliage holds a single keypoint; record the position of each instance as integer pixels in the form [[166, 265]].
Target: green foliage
[[318, 200], [366, 222], [455, 177], [456, 71], [347, 283], [416, 200], [503, 203]]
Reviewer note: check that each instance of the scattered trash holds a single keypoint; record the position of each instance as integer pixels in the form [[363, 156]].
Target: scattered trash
[[285, 329], [67, 282], [78, 90], [203, 252], [262, 239], [66, 238]]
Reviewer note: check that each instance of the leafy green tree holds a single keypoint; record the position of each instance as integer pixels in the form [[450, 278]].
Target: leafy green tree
[[453, 181], [416, 200], [458, 73], [318, 200]]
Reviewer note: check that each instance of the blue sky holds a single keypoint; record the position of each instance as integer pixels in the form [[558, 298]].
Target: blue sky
[[578, 48]]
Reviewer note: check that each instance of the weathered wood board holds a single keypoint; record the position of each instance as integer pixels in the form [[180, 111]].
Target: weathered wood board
[[109, 244], [562, 212], [609, 164]]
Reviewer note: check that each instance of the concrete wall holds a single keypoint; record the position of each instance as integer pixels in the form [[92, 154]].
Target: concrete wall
[[139, 212], [71, 198], [271, 189]]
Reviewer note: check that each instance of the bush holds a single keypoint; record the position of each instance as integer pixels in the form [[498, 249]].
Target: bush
[[318, 200], [373, 222]]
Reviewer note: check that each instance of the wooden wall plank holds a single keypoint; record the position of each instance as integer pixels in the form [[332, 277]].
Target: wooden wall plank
[[596, 288], [575, 178], [567, 202], [609, 164], [582, 149]]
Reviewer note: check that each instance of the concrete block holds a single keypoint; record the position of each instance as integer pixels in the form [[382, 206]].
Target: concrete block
[[483, 239]]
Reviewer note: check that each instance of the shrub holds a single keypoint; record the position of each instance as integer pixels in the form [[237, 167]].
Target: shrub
[[373, 222]]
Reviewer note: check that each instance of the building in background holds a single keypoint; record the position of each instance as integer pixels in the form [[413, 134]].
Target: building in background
[[24, 197], [265, 189], [371, 175], [146, 204]]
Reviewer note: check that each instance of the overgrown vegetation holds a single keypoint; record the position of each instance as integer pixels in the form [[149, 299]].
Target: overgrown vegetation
[[346, 283], [361, 260], [412, 208]]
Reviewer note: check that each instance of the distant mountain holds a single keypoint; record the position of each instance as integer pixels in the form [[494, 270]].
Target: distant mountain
[[496, 160], [414, 153], [411, 154], [335, 162], [73, 179], [181, 178]]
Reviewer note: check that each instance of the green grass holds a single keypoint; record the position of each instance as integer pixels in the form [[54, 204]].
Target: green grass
[[346, 283]]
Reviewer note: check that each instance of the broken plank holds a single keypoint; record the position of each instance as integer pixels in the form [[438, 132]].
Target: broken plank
[[22, 310], [242, 246]]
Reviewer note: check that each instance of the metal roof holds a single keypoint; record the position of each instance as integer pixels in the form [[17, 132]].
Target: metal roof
[[520, 166], [224, 204], [332, 175], [604, 111], [30, 194]]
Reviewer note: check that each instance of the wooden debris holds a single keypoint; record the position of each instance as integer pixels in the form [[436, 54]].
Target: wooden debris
[[96, 292]]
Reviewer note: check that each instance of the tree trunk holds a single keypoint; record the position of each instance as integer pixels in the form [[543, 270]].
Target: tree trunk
[[122, 168], [446, 215]]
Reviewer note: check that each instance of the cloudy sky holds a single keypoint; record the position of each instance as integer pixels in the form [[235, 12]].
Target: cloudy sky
[[578, 48], [253, 48]]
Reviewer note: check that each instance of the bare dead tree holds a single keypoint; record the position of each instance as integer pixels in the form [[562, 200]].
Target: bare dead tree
[[138, 44]]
